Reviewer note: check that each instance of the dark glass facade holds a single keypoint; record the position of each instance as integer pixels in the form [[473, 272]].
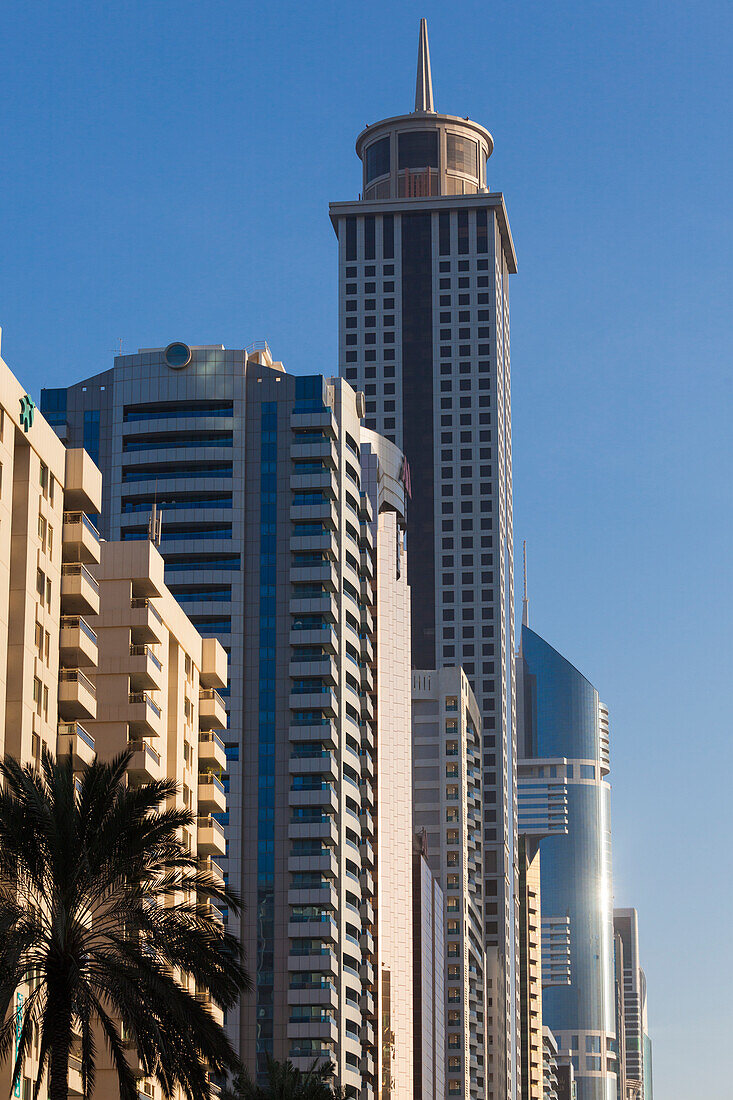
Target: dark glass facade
[[417, 396]]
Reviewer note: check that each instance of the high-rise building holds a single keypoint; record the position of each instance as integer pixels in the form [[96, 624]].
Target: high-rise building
[[446, 751], [424, 259], [47, 544], [283, 534], [563, 777], [532, 1044], [429, 976], [632, 980], [157, 684]]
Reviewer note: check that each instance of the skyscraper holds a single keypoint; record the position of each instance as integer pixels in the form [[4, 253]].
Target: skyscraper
[[447, 809], [424, 258], [283, 534], [637, 1044], [563, 768]]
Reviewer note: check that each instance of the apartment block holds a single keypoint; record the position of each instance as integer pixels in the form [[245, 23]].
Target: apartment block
[[283, 535], [428, 903], [448, 811], [157, 685], [425, 255], [530, 970], [48, 545]]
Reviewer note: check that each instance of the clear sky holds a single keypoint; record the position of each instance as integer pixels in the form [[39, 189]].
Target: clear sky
[[166, 173]]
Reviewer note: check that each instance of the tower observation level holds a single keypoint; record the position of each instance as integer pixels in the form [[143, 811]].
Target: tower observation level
[[425, 255]]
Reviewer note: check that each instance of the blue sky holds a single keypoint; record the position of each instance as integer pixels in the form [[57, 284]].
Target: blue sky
[[166, 173]]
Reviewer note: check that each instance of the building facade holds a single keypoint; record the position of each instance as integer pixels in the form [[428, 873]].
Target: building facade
[[530, 970], [446, 772], [637, 1047], [283, 534], [429, 976], [424, 259], [47, 545], [564, 767]]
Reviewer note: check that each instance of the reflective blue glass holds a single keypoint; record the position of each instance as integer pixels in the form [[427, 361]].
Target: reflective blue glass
[[562, 720]]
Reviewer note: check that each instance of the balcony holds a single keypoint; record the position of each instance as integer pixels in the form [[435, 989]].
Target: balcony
[[212, 795], [204, 998], [323, 994], [212, 710], [303, 448], [80, 539], [146, 671], [82, 482], [324, 896], [324, 731], [323, 635], [321, 697], [320, 762], [316, 479], [75, 1084], [79, 590], [323, 796], [323, 666], [313, 1027], [74, 741], [77, 643], [323, 572], [321, 927], [144, 765], [144, 715], [212, 753], [324, 829], [210, 837], [324, 861], [146, 624], [77, 695], [207, 866]]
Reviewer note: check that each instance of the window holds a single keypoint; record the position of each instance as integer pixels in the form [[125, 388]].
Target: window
[[462, 156], [418, 149], [388, 240], [37, 694], [377, 160], [351, 238], [42, 532], [44, 478]]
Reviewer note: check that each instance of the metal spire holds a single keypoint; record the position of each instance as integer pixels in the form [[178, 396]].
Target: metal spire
[[525, 600], [424, 85]]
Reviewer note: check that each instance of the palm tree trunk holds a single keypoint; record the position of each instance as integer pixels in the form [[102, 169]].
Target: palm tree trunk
[[58, 1079]]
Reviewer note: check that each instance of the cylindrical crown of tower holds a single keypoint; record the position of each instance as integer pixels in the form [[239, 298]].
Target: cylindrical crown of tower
[[423, 154]]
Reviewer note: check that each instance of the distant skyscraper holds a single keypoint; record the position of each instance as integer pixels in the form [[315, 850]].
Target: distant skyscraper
[[563, 769], [283, 535], [447, 808], [637, 1044], [429, 977], [425, 256]]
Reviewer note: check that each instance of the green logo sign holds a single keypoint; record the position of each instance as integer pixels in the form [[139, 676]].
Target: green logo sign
[[27, 409]]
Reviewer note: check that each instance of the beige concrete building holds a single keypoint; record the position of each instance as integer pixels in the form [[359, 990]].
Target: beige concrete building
[[47, 544], [447, 808], [95, 653], [157, 682], [530, 970]]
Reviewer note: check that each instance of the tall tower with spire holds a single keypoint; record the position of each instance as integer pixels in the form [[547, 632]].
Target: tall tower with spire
[[425, 255]]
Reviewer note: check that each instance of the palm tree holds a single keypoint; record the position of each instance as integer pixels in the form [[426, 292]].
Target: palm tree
[[286, 1082], [105, 917]]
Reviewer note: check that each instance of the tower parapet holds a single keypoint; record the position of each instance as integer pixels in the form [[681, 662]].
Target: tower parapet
[[423, 154]]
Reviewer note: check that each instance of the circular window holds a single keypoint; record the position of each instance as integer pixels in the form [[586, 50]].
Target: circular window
[[177, 355]]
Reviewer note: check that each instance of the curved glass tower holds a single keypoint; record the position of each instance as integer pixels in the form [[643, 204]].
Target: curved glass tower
[[563, 751]]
